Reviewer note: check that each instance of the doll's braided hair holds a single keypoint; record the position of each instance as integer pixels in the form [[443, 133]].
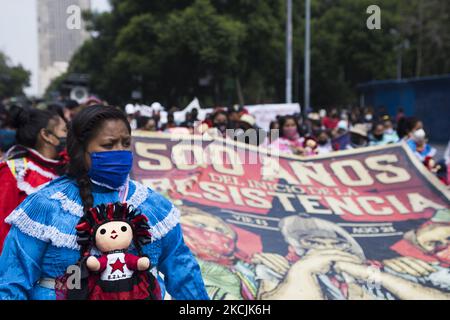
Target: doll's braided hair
[[101, 214], [86, 230]]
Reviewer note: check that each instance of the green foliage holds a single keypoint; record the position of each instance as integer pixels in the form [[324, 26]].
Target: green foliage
[[220, 50], [13, 79]]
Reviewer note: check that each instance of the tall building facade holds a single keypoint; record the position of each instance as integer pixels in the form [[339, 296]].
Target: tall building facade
[[58, 36]]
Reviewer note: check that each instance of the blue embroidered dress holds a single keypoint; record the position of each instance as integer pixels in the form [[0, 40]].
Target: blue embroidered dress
[[42, 241]]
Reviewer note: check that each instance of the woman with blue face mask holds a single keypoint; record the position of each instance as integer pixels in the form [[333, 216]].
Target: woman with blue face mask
[[42, 242]]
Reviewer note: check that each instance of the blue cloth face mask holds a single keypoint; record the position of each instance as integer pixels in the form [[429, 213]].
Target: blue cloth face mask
[[110, 168]]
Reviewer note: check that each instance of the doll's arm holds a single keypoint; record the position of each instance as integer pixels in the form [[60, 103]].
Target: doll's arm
[[103, 262], [136, 263], [97, 264], [131, 260]]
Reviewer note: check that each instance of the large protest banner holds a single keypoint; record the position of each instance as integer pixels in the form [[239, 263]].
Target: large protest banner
[[361, 224]]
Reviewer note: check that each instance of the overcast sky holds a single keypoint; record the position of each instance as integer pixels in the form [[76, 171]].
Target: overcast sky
[[18, 34]]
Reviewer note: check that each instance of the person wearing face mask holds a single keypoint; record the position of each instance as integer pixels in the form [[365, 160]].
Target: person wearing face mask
[[220, 123], [414, 124], [290, 141], [390, 134], [358, 137], [418, 144], [43, 226], [330, 122], [377, 137], [324, 145], [36, 159], [368, 118]]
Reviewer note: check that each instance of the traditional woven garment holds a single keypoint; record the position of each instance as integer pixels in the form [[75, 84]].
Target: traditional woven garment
[[42, 241], [20, 177]]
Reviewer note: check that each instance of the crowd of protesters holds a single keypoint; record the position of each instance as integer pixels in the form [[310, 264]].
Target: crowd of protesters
[[320, 132], [34, 152]]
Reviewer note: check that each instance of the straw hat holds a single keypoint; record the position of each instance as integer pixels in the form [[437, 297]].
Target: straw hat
[[360, 129]]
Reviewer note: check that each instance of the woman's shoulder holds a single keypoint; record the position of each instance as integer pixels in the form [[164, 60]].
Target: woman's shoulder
[[5, 171], [410, 142], [65, 193], [45, 199], [162, 214], [9, 166], [60, 184]]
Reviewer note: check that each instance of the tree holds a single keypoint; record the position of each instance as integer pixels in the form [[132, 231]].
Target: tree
[[426, 25], [345, 53], [225, 51], [171, 55], [13, 79]]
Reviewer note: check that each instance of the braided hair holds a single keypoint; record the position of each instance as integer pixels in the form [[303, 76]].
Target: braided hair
[[82, 129]]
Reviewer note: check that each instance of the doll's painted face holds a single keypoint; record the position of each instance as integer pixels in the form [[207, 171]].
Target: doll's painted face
[[115, 235], [311, 143]]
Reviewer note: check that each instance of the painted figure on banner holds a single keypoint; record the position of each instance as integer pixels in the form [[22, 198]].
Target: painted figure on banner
[[226, 274], [327, 263]]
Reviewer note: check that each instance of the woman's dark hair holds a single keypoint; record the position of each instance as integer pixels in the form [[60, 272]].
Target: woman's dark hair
[[28, 124], [142, 121], [217, 113], [377, 124], [411, 123], [282, 121], [402, 127], [406, 125], [58, 109], [82, 129], [272, 124], [71, 104]]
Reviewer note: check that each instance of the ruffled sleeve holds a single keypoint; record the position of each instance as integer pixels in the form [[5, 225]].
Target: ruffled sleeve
[[20, 265], [25, 246]]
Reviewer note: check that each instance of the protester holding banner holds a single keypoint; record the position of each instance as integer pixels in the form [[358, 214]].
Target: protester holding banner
[[33, 162], [390, 135], [324, 143], [420, 147], [220, 122], [42, 242], [367, 223], [358, 137], [290, 141], [377, 136]]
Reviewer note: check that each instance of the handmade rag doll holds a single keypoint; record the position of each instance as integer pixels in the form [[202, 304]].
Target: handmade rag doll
[[116, 274], [310, 147]]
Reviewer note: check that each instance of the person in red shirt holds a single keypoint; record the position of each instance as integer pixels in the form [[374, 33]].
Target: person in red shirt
[[36, 159], [330, 122]]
